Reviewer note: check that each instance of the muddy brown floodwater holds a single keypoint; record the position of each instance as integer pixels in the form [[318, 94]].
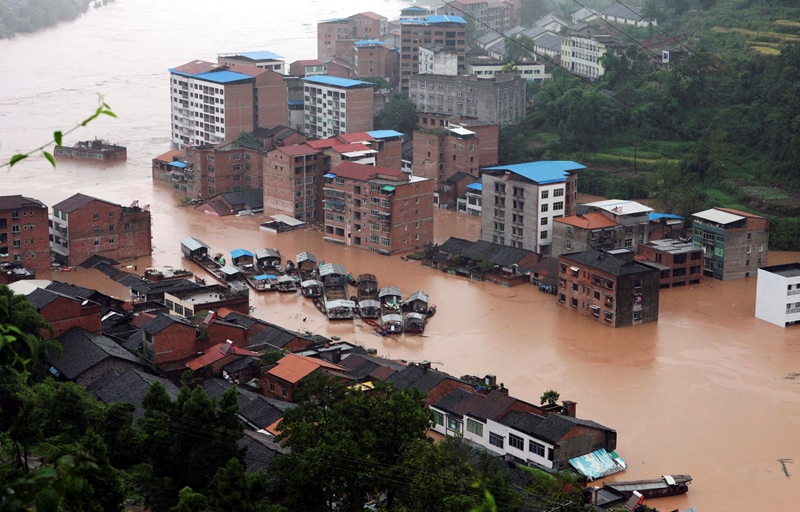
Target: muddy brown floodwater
[[708, 390]]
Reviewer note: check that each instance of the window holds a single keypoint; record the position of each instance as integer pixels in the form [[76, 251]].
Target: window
[[439, 417], [543, 222], [559, 192], [760, 247], [111, 241], [474, 427], [545, 207], [543, 235], [96, 216], [111, 227], [96, 242], [595, 310], [574, 302], [516, 442], [271, 387], [558, 205], [495, 440], [454, 425], [283, 392], [96, 231], [609, 316], [536, 448]]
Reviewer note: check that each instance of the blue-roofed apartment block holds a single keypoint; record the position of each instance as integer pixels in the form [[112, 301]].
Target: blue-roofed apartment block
[[520, 201], [336, 105]]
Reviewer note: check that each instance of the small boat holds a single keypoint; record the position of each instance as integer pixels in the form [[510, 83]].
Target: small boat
[[431, 311], [667, 485], [286, 284], [340, 309], [268, 261], [320, 305], [392, 323], [311, 288], [414, 323], [390, 298]]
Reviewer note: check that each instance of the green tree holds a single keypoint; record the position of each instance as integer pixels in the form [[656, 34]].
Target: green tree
[[249, 139], [519, 47], [190, 501], [549, 397], [399, 115], [340, 450]]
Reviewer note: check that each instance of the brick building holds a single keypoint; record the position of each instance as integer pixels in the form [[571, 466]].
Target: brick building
[[519, 202], [307, 67], [376, 58], [212, 103], [24, 233], [261, 60], [734, 243], [170, 170], [679, 263], [191, 302], [87, 357], [489, 15], [337, 105], [366, 25], [448, 31], [500, 99], [384, 210], [280, 380], [576, 233], [169, 339], [84, 226], [610, 289], [226, 167], [632, 220], [293, 182], [63, 312]]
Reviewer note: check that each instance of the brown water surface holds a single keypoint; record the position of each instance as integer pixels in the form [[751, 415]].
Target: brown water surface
[[708, 390]]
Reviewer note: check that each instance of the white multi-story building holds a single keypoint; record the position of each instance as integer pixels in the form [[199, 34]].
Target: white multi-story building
[[519, 202], [211, 103], [335, 105], [262, 60], [778, 294], [580, 54]]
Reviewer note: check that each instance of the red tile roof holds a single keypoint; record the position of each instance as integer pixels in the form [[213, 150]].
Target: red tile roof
[[216, 353], [292, 368], [363, 172], [323, 143], [141, 319], [170, 155], [356, 137], [593, 220], [739, 212], [196, 67], [299, 149], [346, 148], [310, 62]]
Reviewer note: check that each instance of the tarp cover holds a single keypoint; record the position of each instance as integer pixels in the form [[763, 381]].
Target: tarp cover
[[597, 464]]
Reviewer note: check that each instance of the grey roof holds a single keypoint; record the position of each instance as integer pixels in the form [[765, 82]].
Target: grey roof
[[77, 201], [162, 321], [261, 450], [242, 319], [267, 253], [256, 409], [457, 177], [275, 336], [389, 291], [332, 269], [450, 401], [193, 243], [134, 342], [41, 297], [252, 198], [550, 41], [82, 350], [551, 428], [418, 377], [130, 387], [240, 364], [306, 256], [623, 11], [145, 287], [419, 295], [71, 290], [17, 202], [606, 262], [486, 251]]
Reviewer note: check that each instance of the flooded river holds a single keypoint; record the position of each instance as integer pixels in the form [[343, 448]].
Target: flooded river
[[708, 390]]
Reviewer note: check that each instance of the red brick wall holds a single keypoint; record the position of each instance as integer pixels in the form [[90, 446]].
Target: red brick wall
[[219, 332], [272, 93], [238, 110], [33, 236], [175, 343], [64, 313], [130, 231], [390, 153], [280, 173], [359, 109], [443, 389]]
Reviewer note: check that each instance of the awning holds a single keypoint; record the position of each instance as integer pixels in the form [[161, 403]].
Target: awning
[[329, 175], [238, 253], [178, 164], [264, 277], [388, 188], [598, 464], [229, 270]]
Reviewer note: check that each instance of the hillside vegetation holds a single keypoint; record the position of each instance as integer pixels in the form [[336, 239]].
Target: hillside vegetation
[[720, 128]]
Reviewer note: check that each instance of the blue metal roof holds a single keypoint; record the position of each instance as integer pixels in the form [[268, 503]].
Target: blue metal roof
[[475, 186], [264, 277], [434, 19], [295, 102], [335, 81], [261, 55], [177, 164], [238, 253], [364, 42], [384, 134], [329, 175], [656, 216], [552, 171], [219, 77]]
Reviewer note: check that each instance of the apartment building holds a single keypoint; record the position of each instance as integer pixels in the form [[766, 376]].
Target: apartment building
[[226, 167], [734, 243], [261, 60], [679, 263], [591, 230], [778, 294], [24, 233], [580, 53], [610, 288], [519, 202], [82, 226], [335, 105], [308, 67], [377, 208], [435, 59], [500, 99], [366, 25], [489, 15], [484, 66], [211, 103], [376, 58], [632, 220], [417, 32], [293, 182]]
